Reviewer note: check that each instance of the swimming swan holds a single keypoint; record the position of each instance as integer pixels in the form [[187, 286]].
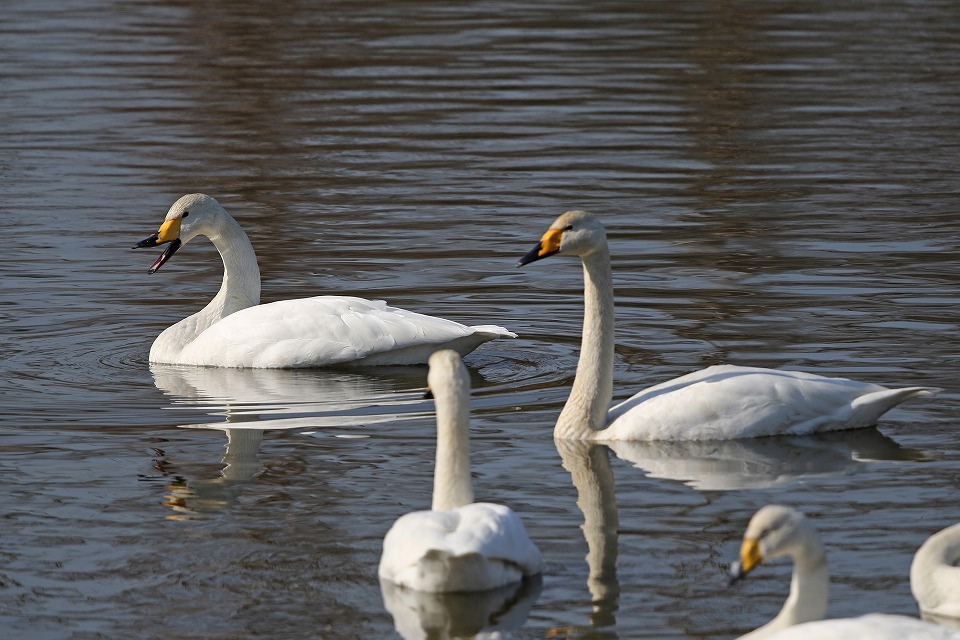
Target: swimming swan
[[717, 403], [460, 545], [235, 330], [776, 531], [935, 576]]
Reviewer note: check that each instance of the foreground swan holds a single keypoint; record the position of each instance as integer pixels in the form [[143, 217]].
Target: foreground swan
[[460, 545], [716, 403], [935, 576], [776, 531], [235, 330]]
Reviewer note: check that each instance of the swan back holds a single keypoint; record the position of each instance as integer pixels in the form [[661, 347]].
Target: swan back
[[874, 626], [449, 384], [935, 574]]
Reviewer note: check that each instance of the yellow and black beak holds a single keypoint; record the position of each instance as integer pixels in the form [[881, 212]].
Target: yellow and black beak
[[750, 557], [549, 244], [169, 232]]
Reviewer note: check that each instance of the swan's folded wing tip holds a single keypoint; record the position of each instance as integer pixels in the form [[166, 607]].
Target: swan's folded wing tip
[[494, 330]]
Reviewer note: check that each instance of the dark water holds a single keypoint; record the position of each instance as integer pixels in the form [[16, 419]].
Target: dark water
[[779, 181]]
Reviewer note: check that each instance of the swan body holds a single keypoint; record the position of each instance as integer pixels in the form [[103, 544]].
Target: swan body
[[776, 531], [935, 575], [235, 330], [458, 545], [873, 626], [717, 403]]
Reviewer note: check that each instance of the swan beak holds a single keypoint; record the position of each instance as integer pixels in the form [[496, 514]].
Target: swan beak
[[169, 232], [750, 557], [428, 395], [549, 244]]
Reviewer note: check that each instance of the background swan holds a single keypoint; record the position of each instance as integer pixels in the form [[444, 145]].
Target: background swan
[[459, 545], [235, 330], [716, 403], [935, 576], [776, 531]]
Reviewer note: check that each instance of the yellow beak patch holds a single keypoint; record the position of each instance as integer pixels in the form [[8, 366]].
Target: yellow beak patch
[[169, 231], [750, 555], [550, 242]]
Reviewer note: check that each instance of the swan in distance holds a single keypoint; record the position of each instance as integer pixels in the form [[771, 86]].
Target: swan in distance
[[716, 403], [776, 531], [459, 545], [935, 576], [235, 330]]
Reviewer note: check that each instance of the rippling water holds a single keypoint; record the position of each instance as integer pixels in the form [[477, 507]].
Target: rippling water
[[779, 183]]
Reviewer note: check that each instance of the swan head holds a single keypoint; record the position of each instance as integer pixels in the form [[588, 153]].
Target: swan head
[[188, 217], [576, 232], [774, 531], [448, 377]]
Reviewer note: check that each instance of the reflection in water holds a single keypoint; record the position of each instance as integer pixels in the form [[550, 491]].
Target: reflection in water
[[250, 401], [241, 464], [442, 616], [761, 462], [589, 467], [282, 399]]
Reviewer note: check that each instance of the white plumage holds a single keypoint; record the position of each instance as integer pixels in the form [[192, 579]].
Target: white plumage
[[717, 403], [873, 626], [459, 545], [935, 576], [235, 330], [776, 531]]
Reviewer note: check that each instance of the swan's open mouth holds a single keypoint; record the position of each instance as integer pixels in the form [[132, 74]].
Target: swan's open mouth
[[152, 241]]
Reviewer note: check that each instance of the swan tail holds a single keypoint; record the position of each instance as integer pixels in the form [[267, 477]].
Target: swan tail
[[867, 409], [493, 331]]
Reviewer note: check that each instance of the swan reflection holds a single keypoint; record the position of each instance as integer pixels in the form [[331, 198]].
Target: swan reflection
[[592, 476], [441, 616], [246, 402], [753, 463]]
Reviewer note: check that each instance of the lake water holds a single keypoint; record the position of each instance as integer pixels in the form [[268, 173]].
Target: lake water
[[780, 186]]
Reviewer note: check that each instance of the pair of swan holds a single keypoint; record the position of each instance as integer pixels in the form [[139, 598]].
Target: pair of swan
[[459, 545], [776, 531], [717, 403]]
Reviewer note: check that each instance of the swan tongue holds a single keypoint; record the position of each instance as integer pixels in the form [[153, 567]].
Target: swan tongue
[[166, 255]]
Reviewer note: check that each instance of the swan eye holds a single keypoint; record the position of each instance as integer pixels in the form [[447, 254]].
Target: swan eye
[[568, 227], [185, 214]]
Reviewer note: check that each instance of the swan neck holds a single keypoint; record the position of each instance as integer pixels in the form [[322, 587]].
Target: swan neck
[[241, 275], [809, 588], [452, 486], [585, 412]]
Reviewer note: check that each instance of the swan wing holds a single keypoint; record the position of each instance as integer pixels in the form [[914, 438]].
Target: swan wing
[[875, 626], [328, 330], [935, 574], [476, 547], [727, 401]]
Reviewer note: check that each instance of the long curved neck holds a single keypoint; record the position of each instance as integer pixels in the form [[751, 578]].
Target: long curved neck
[[241, 275], [585, 412], [240, 289], [452, 486], [809, 590]]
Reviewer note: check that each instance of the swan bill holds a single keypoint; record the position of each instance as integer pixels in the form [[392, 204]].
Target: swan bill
[[549, 244], [750, 557], [166, 255]]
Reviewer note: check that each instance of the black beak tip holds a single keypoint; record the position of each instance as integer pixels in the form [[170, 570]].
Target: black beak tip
[[428, 395]]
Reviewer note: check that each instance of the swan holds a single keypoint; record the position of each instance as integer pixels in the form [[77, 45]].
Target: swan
[[235, 330], [776, 531], [717, 403], [459, 545], [935, 576]]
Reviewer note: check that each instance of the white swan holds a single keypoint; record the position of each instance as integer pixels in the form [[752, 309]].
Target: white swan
[[717, 403], [776, 531], [935, 576], [235, 330], [460, 545], [873, 626]]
